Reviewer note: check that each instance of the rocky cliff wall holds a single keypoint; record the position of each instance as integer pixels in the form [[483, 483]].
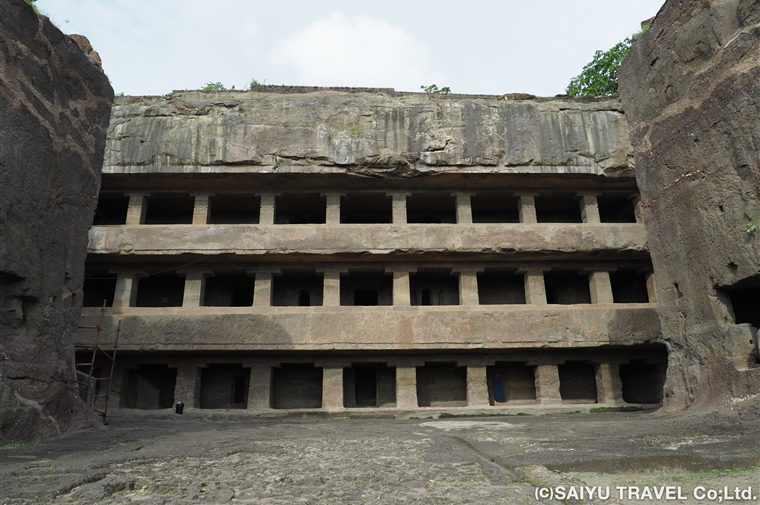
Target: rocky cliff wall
[[365, 132], [54, 110], [691, 92]]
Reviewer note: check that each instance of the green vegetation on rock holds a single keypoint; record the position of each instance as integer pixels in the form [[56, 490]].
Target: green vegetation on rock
[[213, 86]]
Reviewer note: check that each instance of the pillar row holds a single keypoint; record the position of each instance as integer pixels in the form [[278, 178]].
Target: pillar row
[[468, 287], [527, 208], [398, 202], [266, 212], [193, 290], [464, 208], [401, 289], [331, 288], [590, 208], [126, 290], [535, 289], [262, 289], [332, 211]]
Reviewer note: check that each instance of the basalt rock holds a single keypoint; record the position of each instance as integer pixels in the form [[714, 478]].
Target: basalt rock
[[55, 103], [691, 92]]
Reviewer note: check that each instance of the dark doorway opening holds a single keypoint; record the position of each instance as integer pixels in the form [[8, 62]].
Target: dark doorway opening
[[224, 386], [577, 381], [567, 288], [366, 289], [558, 208], [616, 208], [297, 289], [369, 385], [629, 286], [234, 208], [441, 384], [169, 209], [366, 208], [297, 386], [98, 289], [500, 287], [111, 210], [228, 290], [642, 382], [431, 208], [300, 208], [149, 387], [434, 288], [494, 208], [161, 290], [511, 382]]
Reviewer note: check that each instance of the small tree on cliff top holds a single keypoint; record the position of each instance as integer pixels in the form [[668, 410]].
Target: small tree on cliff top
[[599, 77]]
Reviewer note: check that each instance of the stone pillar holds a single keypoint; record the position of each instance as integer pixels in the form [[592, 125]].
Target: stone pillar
[[259, 387], [331, 288], [535, 289], [609, 387], [651, 288], [135, 208], [332, 388], [262, 289], [468, 287], [402, 296], [194, 283], [332, 212], [464, 208], [600, 287], [547, 384], [406, 387], [589, 208], [200, 209], [399, 207], [266, 211], [187, 387], [126, 290], [477, 387], [527, 208]]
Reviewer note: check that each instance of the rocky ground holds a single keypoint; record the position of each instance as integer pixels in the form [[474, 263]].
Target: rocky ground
[[162, 458]]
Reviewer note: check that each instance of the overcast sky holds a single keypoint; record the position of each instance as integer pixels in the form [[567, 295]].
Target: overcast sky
[[475, 46]]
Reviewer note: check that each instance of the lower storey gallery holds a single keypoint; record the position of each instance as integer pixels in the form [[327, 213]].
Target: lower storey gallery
[[633, 375]]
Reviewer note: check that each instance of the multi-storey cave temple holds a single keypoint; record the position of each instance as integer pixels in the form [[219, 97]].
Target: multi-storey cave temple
[[298, 248]]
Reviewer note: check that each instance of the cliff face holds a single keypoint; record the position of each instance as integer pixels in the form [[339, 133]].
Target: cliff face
[[691, 93], [366, 132], [54, 111]]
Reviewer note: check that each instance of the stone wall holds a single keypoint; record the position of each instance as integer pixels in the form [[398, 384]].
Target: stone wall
[[691, 93], [55, 103]]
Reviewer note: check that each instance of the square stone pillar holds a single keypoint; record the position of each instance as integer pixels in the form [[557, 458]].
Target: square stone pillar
[[609, 387], [464, 208], [135, 208], [332, 388], [266, 211], [406, 387], [194, 284], [477, 387], [468, 287], [589, 208], [651, 287], [188, 385], [332, 211], [600, 287], [398, 202], [535, 289], [547, 384], [527, 208], [262, 289], [200, 209], [126, 290], [259, 387], [402, 295], [331, 287]]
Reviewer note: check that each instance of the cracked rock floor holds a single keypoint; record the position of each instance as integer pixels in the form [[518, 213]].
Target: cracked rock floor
[[162, 458]]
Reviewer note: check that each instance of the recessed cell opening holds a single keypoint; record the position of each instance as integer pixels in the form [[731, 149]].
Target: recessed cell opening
[[224, 386], [297, 290], [98, 289], [629, 286], [149, 387], [234, 208], [366, 208], [567, 288], [434, 208], [494, 208], [299, 208], [642, 381], [441, 385], [111, 210], [228, 290], [500, 287], [369, 385], [616, 208], [577, 381], [169, 209], [434, 288], [297, 386], [558, 208], [366, 289], [511, 382]]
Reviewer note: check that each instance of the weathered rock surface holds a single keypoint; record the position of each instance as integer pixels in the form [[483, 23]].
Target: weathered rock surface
[[691, 93], [54, 111], [367, 132]]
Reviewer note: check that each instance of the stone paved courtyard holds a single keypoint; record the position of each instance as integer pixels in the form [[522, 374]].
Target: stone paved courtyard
[[223, 458]]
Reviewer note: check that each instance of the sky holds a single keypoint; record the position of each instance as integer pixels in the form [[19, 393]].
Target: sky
[[151, 47]]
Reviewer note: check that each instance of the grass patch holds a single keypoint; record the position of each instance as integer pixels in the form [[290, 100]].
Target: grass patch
[[622, 408]]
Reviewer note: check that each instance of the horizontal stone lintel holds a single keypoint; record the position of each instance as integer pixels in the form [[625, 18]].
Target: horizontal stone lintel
[[390, 329], [365, 238]]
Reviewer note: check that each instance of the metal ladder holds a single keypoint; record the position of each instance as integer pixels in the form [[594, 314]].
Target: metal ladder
[[86, 370]]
